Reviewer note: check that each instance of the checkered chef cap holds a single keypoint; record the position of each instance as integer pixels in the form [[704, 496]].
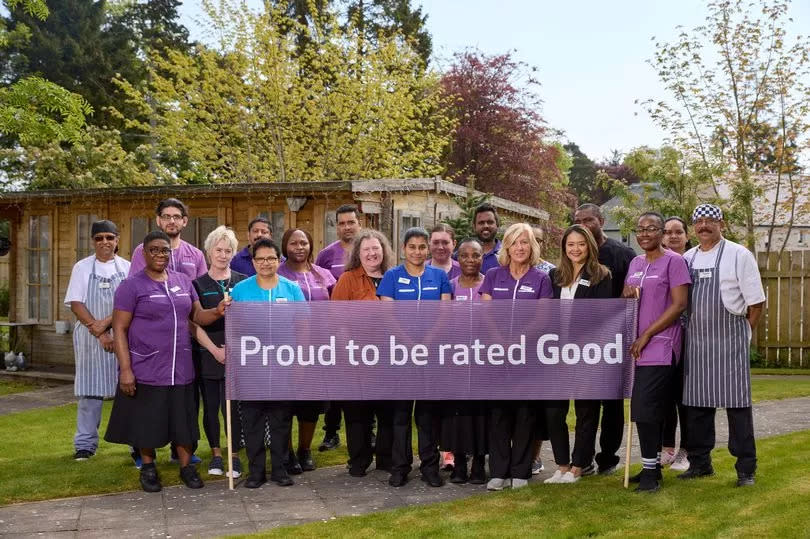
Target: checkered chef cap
[[707, 210]]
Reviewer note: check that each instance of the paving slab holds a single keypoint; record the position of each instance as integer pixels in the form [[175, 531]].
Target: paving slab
[[41, 398]]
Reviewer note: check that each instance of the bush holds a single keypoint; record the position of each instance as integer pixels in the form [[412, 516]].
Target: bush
[[4, 299]]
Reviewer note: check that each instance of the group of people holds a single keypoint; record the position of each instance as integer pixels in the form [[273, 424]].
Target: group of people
[[151, 334]]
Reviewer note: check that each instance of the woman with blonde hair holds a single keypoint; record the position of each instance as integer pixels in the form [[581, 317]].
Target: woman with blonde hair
[[512, 423]]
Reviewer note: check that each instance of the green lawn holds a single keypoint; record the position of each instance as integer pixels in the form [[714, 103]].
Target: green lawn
[[778, 506], [780, 371]]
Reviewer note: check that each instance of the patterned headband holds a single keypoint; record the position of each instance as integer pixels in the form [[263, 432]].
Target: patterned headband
[[707, 211]]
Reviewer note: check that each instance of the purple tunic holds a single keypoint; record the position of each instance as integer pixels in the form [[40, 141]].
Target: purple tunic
[[490, 259], [656, 280], [186, 259], [158, 336], [242, 262], [455, 269], [315, 284], [333, 258], [500, 284], [464, 294]]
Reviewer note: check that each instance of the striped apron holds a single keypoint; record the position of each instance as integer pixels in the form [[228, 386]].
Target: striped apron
[[716, 365], [96, 370]]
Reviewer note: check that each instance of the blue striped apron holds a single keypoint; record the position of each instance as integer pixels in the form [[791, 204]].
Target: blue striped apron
[[96, 370], [717, 371]]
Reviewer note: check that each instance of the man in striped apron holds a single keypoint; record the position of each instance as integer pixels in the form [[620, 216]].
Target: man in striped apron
[[725, 304], [90, 294]]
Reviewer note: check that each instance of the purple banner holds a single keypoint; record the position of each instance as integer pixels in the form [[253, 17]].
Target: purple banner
[[431, 350]]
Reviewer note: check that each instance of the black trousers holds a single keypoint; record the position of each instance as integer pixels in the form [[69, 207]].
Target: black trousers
[[426, 414], [555, 413], [214, 402], [511, 436], [587, 412], [676, 412], [279, 416], [359, 420], [741, 443], [610, 439], [331, 418]]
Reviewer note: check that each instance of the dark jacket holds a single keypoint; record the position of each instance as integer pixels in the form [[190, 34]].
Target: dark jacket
[[603, 289]]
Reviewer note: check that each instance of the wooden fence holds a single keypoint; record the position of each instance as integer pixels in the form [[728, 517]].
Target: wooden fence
[[783, 334]]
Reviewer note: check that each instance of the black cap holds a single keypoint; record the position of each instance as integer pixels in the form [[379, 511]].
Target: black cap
[[103, 226]]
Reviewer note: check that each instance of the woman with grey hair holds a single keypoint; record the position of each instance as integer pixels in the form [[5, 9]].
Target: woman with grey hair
[[208, 349]]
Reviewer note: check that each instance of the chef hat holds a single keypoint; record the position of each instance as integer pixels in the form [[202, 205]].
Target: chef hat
[[707, 211], [99, 227]]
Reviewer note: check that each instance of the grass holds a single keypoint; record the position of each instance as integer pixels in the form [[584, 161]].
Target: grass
[[780, 371], [36, 461], [9, 386], [778, 506]]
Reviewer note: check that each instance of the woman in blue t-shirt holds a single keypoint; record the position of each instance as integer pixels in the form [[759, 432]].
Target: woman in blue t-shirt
[[414, 280]]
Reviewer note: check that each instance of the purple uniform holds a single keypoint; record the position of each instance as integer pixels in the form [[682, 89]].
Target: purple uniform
[[500, 284], [490, 259], [242, 262], [656, 279], [455, 269], [333, 258], [158, 336], [186, 259], [464, 294], [316, 284]]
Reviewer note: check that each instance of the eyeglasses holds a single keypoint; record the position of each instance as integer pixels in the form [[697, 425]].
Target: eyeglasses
[[162, 251], [167, 217], [265, 259], [106, 237], [648, 230]]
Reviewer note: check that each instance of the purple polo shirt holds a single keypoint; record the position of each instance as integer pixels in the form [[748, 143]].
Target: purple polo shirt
[[455, 269], [243, 262], [158, 336], [490, 259], [186, 259], [656, 279], [316, 284], [333, 258], [500, 284], [464, 294]]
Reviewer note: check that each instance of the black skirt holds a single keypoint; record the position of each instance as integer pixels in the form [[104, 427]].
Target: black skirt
[[652, 393], [308, 411], [464, 427], [154, 416]]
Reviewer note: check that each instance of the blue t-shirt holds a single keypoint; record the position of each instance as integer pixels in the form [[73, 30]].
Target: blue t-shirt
[[249, 290], [398, 284]]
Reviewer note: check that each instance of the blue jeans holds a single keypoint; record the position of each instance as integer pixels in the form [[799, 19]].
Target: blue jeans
[[88, 419]]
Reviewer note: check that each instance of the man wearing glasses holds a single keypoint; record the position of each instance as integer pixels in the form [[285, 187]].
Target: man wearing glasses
[[725, 305], [172, 218], [90, 293]]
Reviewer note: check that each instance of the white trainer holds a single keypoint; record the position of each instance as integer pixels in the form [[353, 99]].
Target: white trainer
[[554, 478], [497, 483], [667, 457], [681, 462], [519, 483], [568, 477]]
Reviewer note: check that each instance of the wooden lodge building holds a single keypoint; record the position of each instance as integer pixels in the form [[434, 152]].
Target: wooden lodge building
[[50, 231]]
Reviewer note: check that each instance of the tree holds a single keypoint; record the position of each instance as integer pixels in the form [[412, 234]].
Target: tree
[[500, 137], [728, 77], [389, 19], [463, 224], [582, 176]]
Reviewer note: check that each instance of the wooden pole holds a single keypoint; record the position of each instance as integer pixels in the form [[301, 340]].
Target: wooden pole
[[627, 450], [230, 443]]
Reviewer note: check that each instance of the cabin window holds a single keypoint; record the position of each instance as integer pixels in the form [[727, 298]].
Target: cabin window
[[140, 227], [197, 230], [39, 268], [84, 242], [276, 219]]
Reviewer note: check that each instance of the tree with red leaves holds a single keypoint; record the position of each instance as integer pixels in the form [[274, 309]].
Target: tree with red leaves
[[500, 136]]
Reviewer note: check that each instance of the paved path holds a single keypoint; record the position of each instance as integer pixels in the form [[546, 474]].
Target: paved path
[[320, 495], [31, 400]]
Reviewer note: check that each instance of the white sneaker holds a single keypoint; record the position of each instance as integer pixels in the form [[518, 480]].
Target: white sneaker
[[537, 467], [681, 463], [568, 477], [667, 457], [497, 483], [554, 478], [519, 483]]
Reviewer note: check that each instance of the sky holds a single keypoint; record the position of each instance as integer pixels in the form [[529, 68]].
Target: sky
[[591, 55]]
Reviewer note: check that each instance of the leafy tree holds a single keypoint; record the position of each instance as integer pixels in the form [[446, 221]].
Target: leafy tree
[[582, 176], [500, 137], [463, 223], [389, 19], [729, 76]]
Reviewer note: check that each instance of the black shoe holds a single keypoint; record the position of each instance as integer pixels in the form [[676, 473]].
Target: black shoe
[[285, 481], [292, 465], [745, 480], [694, 473], [478, 475], [658, 475], [397, 479], [82, 454], [648, 481], [432, 479], [150, 482], [459, 475], [305, 460], [255, 482], [330, 441], [190, 476], [357, 471]]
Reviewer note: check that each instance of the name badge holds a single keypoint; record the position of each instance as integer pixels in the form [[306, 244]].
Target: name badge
[[526, 288], [461, 298], [104, 284], [705, 274], [638, 274], [174, 288], [281, 300], [403, 280], [584, 282]]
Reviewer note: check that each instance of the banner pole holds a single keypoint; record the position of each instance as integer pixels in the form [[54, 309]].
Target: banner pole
[[230, 443], [627, 450]]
